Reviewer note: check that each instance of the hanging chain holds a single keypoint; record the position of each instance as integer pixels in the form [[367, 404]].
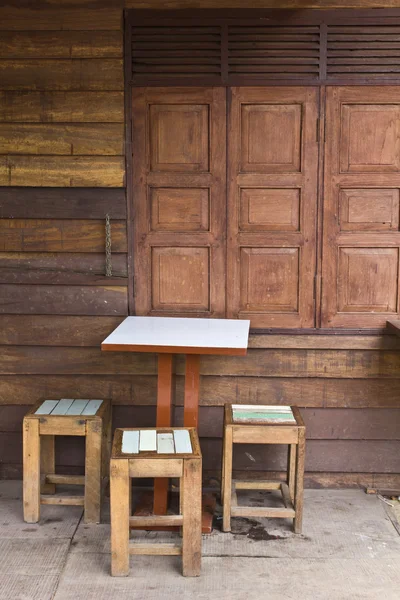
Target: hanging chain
[[108, 247]]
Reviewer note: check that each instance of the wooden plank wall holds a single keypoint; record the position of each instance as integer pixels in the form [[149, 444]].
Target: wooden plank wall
[[61, 172]]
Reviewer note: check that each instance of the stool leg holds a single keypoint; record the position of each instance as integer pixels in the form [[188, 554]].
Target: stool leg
[[93, 470], [31, 469], [47, 463], [227, 479], [119, 498], [291, 470], [191, 506], [106, 447], [298, 504]]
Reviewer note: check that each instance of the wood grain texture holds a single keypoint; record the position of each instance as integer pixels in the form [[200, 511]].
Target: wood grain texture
[[55, 330], [100, 139], [324, 456], [64, 107], [63, 171], [61, 44], [21, 360], [62, 299], [25, 16], [50, 235], [123, 389], [289, 4], [62, 74], [347, 364], [37, 277], [60, 262], [64, 203]]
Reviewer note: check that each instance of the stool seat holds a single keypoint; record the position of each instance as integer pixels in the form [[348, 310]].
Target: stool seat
[[73, 417], [159, 452], [255, 424]]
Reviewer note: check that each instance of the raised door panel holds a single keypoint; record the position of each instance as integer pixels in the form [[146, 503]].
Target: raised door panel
[[361, 207], [270, 138], [272, 198], [179, 201]]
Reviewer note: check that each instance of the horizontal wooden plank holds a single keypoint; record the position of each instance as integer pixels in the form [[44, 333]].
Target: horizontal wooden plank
[[11, 274], [26, 360], [99, 139], [63, 171], [341, 456], [63, 300], [53, 330], [61, 44], [22, 16], [62, 74], [48, 235], [62, 203], [297, 391], [41, 277], [304, 363], [78, 263], [321, 423], [126, 390], [140, 390], [324, 342], [367, 456], [64, 107]]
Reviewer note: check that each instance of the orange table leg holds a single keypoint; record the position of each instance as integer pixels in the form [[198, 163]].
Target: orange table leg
[[164, 405], [192, 391]]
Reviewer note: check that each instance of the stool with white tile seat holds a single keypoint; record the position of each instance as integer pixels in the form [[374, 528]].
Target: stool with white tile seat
[[72, 417], [159, 452], [255, 424]]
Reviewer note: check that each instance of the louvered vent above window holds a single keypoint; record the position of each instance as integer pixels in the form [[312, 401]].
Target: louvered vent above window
[[273, 52], [363, 52], [245, 47], [176, 52]]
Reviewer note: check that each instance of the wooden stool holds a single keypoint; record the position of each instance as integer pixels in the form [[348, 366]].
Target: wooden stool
[[161, 452], [264, 425], [48, 418]]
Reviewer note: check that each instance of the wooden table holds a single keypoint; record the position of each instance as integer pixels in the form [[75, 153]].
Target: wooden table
[[167, 336]]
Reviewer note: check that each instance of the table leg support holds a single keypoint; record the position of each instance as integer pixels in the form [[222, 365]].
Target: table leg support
[[164, 407], [192, 391]]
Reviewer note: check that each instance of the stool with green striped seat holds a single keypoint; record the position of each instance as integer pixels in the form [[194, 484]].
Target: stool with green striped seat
[[48, 418], [253, 424]]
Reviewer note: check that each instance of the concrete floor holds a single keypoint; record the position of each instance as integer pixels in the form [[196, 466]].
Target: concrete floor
[[350, 549]]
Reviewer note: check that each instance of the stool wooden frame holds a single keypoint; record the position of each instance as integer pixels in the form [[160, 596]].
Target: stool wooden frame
[[123, 467], [40, 479], [292, 490]]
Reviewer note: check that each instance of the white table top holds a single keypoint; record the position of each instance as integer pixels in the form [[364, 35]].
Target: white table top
[[179, 335]]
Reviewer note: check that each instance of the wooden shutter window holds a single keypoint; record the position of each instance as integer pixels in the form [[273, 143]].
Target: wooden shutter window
[[176, 53], [272, 199], [179, 199], [361, 259], [261, 52], [363, 52]]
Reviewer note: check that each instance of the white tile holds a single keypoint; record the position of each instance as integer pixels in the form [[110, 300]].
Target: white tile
[[77, 407], [165, 443], [147, 440], [62, 407], [130, 442], [92, 407], [183, 445], [46, 407]]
